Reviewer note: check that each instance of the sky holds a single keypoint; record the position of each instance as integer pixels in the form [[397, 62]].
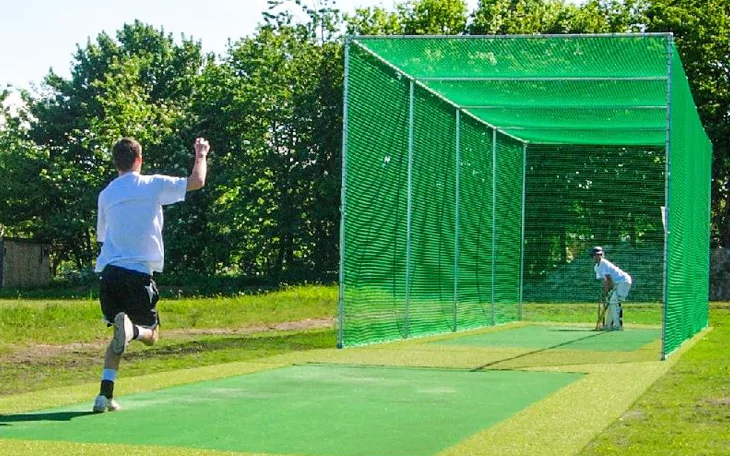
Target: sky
[[36, 35]]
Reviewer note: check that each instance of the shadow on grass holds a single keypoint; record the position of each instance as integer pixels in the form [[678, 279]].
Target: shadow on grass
[[54, 416]]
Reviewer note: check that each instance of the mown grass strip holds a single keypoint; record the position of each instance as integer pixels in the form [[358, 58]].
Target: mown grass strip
[[684, 413], [687, 411]]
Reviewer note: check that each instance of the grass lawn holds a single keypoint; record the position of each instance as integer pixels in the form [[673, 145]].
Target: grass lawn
[[47, 343], [686, 412]]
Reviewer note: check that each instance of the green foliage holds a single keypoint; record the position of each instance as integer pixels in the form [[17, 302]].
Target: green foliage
[[433, 17], [275, 174], [412, 17], [20, 165], [503, 17], [271, 107], [138, 85], [702, 33], [373, 21]]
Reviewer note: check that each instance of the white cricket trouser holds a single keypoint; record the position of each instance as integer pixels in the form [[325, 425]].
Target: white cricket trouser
[[614, 314]]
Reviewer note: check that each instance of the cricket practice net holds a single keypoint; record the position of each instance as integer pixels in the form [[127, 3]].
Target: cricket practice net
[[478, 171]]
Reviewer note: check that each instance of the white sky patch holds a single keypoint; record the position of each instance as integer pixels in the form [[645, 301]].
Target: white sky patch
[[13, 102], [38, 35]]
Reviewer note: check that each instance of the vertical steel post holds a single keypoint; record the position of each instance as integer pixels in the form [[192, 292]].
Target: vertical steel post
[[456, 217], [343, 202], [410, 207], [522, 235], [667, 193], [494, 220]]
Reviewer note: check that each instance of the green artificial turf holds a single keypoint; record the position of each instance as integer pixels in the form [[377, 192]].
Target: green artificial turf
[[551, 337], [306, 409]]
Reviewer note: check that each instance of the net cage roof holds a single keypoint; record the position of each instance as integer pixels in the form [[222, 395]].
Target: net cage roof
[[554, 89]]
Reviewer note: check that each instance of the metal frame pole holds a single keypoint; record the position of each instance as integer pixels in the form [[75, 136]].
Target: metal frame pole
[[522, 235], [343, 202], [456, 217], [410, 207], [667, 195], [523, 35], [494, 220]]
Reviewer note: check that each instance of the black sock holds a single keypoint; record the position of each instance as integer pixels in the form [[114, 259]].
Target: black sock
[[107, 388], [135, 332]]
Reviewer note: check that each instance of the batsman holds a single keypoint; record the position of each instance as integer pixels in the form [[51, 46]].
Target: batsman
[[616, 286]]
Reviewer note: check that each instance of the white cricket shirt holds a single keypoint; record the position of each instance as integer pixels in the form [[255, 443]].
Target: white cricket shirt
[[605, 267], [129, 220]]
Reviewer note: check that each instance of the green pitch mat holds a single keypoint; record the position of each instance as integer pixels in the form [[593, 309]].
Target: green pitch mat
[[569, 338], [305, 410]]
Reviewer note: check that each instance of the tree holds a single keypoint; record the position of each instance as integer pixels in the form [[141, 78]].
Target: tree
[[702, 34], [433, 17], [373, 21], [505, 17], [412, 17], [136, 86], [279, 117], [20, 165]]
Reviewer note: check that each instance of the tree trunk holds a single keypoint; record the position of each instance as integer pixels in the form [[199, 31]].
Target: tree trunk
[[723, 226]]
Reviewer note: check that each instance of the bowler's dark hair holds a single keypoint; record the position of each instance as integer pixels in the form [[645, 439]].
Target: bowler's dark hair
[[125, 152]]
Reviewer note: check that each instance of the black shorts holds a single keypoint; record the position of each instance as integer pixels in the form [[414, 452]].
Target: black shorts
[[131, 292]]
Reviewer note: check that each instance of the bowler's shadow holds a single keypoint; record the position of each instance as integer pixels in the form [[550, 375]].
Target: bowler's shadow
[[54, 416]]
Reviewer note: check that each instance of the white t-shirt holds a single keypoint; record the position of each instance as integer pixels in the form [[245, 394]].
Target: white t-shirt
[[129, 221], [605, 267]]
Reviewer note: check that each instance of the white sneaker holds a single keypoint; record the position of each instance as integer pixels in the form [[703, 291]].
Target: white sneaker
[[103, 404], [123, 332]]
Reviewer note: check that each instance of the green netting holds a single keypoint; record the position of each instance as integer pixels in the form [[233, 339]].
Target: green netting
[[581, 196], [431, 265], [408, 273], [521, 57], [581, 136], [478, 170], [555, 93], [688, 264], [474, 266], [377, 195], [508, 231], [589, 84]]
